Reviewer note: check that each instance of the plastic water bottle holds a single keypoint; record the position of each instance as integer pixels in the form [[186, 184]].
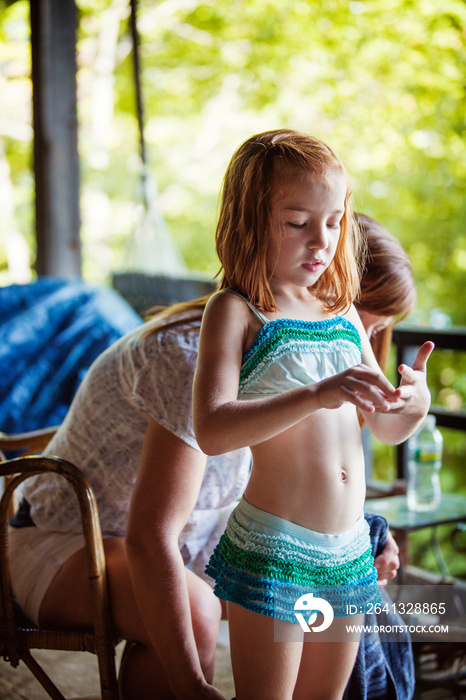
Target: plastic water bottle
[[425, 460]]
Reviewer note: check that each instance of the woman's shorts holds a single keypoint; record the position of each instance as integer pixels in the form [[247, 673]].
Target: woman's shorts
[[36, 557], [266, 564]]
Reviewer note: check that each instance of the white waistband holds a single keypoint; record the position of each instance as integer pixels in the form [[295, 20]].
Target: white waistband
[[283, 526]]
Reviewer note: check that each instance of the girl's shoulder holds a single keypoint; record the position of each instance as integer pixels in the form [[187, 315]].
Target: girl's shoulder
[[352, 315], [227, 301], [228, 319]]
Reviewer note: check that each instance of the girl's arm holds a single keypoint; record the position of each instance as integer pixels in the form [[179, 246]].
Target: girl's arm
[[413, 396], [222, 423], [165, 493]]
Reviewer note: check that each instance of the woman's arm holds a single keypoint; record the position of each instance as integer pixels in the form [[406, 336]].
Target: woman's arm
[[222, 423], [165, 493], [387, 562]]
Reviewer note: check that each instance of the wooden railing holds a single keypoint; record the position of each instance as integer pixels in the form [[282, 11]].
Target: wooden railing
[[407, 340]]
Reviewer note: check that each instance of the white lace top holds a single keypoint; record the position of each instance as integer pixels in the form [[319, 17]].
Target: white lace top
[[104, 430]]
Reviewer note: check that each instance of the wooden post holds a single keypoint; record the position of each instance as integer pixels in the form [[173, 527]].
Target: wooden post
[[56, 164]]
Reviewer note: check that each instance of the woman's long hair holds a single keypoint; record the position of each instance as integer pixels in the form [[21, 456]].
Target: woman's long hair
[[387, 284], [159, 317]]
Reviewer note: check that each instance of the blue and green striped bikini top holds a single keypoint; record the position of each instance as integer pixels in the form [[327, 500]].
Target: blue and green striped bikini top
[[288, 353]]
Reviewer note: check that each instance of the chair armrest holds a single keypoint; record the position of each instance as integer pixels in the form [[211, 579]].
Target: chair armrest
[[32, 442], [29, 443]]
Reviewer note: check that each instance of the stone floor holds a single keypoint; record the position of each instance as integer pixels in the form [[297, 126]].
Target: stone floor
[[76, 676]]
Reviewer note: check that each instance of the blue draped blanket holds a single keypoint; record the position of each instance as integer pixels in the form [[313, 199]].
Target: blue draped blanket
[[50, 333]]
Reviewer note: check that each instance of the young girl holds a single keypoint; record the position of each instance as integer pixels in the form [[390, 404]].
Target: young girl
[[283, 365]]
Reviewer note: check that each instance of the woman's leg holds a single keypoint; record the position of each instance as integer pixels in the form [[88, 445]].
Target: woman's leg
[[67, 604], [263, 669]]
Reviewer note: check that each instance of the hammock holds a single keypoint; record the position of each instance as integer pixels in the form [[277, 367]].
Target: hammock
[[155, 272]]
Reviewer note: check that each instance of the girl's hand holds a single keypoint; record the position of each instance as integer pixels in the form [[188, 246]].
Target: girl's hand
[[366, 388], [413, 389]]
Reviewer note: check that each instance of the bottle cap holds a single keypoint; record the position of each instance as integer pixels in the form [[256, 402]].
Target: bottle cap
[[429, 422]]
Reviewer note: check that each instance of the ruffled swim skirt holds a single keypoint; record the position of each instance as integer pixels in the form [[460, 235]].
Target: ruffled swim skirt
[[266, 564]]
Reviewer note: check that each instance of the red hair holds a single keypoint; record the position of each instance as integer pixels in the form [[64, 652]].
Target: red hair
[[243, 229]]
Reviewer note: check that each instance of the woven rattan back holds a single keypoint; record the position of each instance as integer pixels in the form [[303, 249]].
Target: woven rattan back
[[30, 443]]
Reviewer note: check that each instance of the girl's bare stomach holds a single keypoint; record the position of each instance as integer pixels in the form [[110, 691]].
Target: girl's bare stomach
[[312, 474]]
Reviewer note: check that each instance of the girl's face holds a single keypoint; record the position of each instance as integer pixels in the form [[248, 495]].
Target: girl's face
[[305, 225]]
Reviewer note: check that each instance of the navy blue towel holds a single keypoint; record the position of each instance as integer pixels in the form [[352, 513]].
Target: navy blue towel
[[384, 670]]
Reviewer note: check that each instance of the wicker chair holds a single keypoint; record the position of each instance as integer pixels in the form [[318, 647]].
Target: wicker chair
[[17, 635], [30, 443]]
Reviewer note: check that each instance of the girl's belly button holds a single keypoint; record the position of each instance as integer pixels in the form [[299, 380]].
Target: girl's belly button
[[343, 475]]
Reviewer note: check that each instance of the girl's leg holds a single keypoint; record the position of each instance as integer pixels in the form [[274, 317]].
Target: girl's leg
[[262, 668], [326, 666], [67, 605]]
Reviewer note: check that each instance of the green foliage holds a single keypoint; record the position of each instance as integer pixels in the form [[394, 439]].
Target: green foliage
[[381, 81]]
